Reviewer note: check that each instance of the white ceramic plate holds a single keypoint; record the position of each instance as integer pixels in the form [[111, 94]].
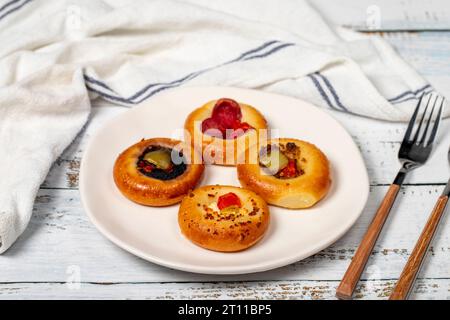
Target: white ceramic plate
[[153, 233]]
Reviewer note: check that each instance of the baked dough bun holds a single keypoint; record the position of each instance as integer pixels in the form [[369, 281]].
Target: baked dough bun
[[220, 151], [204, 224], [149, 191], [302, 191]]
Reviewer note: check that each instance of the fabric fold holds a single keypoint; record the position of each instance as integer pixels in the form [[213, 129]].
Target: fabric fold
[[39, 117]]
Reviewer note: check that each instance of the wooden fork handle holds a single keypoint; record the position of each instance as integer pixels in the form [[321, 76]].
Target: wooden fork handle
[[354, 271], [412, 267]]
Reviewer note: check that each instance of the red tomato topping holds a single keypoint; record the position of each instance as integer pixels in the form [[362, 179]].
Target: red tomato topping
[[147, 167], [228, 200], [226, 114], [216, 129], [245, 126], [290, 171], [227, 111]]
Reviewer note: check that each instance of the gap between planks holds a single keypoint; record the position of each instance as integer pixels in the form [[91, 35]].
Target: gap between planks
[[106, 283], [377, 289]]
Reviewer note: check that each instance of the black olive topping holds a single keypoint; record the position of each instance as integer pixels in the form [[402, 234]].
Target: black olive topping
[[150, 170]]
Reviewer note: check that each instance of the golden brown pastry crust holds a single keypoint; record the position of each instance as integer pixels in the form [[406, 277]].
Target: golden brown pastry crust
[[149, 191], [202, 223], [217, 147], [301, 192]]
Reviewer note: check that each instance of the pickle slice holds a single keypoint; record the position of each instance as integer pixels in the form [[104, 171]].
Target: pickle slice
[[274, 161], [160, 158]]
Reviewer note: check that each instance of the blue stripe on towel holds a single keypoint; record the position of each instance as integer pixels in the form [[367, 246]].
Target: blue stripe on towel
[[332, 90], [243, 57], [320, 90], [413, 97], [185, 78], [97, 82], [143, 90], [409, 92], [106, 95], [263, 55], [197, 73], [405, 96], [251, 54], [6, 5], [258, 49], [8, 12]]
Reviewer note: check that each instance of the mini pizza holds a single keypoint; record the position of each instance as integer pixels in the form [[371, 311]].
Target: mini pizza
[[288, 173], [222, 129], [223, 218], [157, 172]]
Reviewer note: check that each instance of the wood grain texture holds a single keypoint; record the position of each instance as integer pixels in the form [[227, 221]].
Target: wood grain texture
[[387, 14], [412, 267], [359, 260], [288, 290], [427, 52]]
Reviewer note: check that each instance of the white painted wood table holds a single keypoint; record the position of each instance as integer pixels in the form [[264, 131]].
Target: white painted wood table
[[60, 243]]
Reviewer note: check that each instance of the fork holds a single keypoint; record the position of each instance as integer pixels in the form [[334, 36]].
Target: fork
[[412, 268], [414, 152]]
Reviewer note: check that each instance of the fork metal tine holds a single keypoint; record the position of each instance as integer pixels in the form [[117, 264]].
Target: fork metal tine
[[416, 136], [430, 118], [412, 121], [436, 123]]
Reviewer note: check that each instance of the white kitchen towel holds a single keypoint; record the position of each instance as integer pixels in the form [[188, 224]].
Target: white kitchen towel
[[55, 55]]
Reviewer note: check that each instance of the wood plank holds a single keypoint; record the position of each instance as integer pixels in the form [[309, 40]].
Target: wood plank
[[386, 14], [60, 236], [299, 290], [428, 53]]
